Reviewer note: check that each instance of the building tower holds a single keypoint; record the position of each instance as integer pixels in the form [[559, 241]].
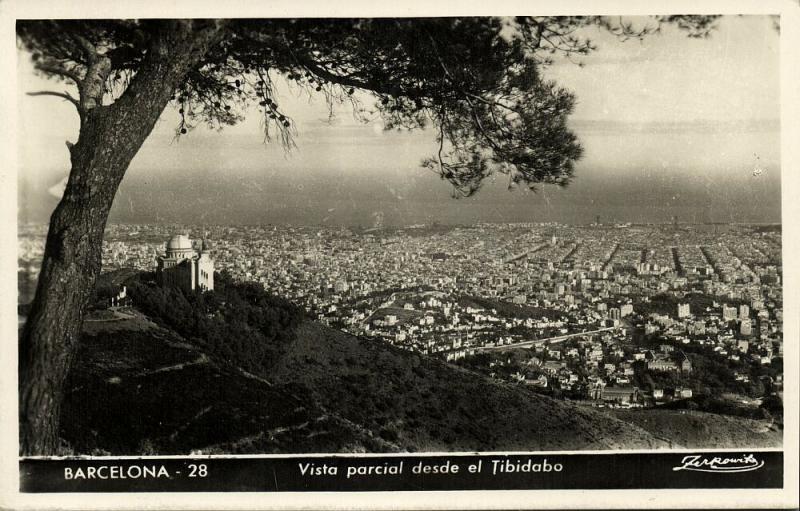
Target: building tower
[[746, 327], [205, 266], [744, 311]]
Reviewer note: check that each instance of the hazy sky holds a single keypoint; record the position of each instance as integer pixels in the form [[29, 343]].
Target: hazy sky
[[670, 125]]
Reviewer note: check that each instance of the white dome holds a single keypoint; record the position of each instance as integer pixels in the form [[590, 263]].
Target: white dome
[[179, 242]]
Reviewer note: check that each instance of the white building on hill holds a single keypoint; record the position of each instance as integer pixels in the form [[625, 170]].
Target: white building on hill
[[184, 267]]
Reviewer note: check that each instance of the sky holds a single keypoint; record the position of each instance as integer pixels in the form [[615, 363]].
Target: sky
[[670, 126]]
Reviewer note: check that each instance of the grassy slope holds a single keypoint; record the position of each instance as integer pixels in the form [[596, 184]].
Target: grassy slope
[[697, 430]]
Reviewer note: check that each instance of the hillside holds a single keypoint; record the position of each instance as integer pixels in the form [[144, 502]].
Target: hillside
[[138, 388], [239, 371], [697, 430], [421, 403], [141, 388]]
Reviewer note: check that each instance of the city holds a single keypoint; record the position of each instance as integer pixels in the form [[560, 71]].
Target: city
[[608, 314]]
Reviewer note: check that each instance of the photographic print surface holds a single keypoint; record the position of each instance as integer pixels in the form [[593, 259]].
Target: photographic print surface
[[397, 236]]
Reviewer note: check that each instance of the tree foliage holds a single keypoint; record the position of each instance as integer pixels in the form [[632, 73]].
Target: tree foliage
[[238, 322], [476, 82]]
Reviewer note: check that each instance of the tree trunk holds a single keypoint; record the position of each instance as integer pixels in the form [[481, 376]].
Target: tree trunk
[[110, 136]]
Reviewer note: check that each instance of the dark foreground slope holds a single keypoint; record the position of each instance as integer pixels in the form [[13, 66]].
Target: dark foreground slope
[[140, 388]]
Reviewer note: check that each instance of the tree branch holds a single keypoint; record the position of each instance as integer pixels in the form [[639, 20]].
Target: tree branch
[[86, 46], [62, 95], [60, 71], [349, 80]]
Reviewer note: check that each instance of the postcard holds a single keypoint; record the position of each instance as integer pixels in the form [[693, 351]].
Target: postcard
[[405, 256]]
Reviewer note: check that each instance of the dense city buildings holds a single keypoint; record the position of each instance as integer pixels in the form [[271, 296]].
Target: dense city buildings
[[612, 313]]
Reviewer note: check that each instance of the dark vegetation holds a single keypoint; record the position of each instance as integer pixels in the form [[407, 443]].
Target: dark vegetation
[[712, 374], [238, 321], [507, 309], [421, 403], [145, 391], [383, 294]]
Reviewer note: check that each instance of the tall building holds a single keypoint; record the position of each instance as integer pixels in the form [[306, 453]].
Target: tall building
[[728, 313], [746, 328], [683, 310], [183, 267], [744, 311]]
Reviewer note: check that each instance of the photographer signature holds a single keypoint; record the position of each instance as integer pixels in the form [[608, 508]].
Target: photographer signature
[[701, 463]]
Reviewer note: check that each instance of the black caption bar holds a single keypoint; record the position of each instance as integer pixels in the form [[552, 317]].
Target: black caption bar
[[733, 469]]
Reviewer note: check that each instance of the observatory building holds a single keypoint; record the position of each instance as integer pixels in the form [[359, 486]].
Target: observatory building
[[184, 267]]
